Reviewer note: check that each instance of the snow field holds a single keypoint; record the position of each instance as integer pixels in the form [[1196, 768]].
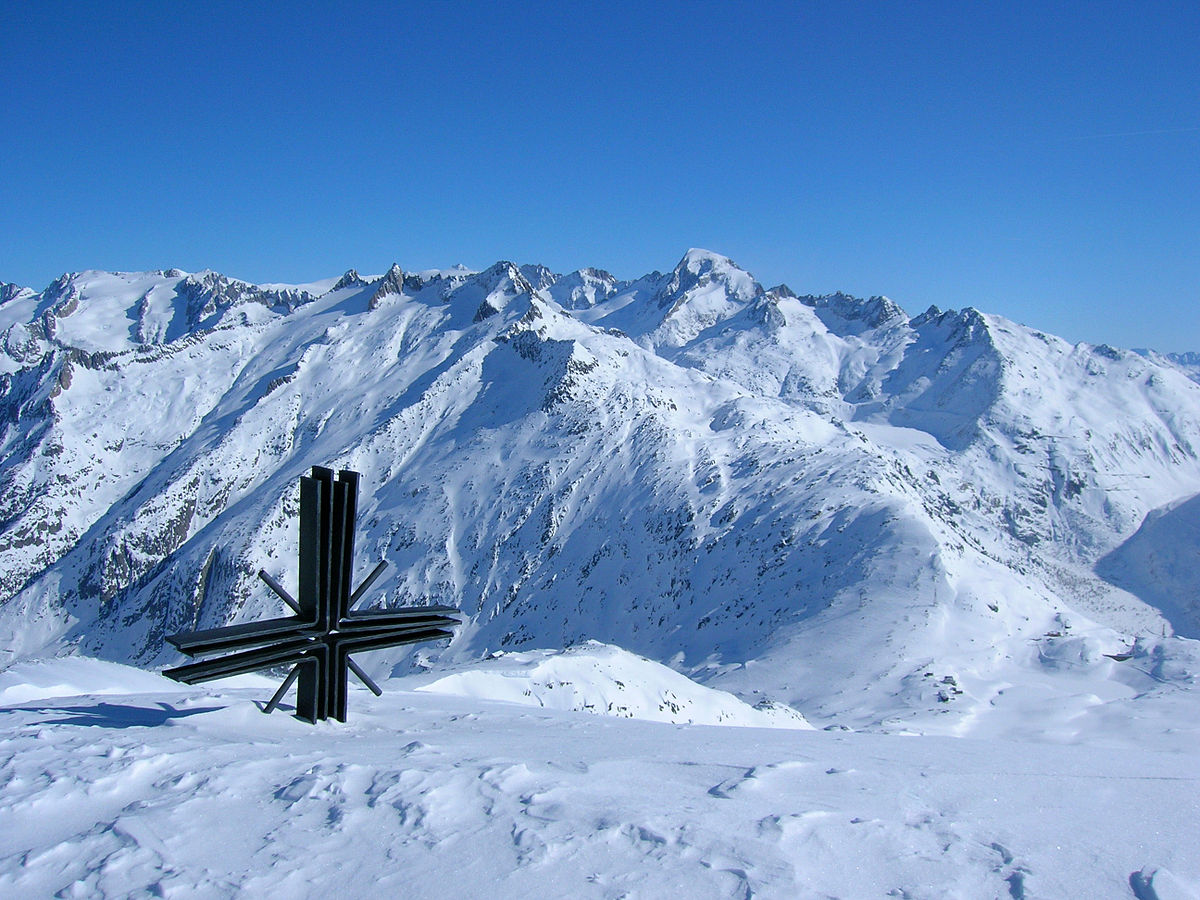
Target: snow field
[[195, 793]]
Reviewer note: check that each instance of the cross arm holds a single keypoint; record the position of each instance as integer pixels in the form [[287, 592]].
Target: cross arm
[[400, 620], [242, 635], [244, 662], [279, 590], [367, 582]]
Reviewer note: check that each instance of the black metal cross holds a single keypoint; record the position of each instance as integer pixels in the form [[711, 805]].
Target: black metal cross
[[318, 639]]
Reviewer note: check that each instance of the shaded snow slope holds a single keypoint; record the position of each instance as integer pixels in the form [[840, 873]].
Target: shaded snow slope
[[813, 501], [1161, 564]]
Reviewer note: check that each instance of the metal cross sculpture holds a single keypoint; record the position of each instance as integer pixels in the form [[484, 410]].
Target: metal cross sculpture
[[318, 639]]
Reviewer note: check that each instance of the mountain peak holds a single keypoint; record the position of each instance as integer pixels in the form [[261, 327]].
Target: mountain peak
[[350, 279], [10, 291], [538, 276], [583, 288], [699, 268], [390, 284], [697, 260], [504, 276]]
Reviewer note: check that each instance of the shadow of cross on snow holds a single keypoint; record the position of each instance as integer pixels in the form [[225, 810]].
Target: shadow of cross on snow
[[318, 639], [117, 715]]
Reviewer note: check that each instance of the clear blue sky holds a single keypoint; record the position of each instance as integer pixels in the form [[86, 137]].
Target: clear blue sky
[[1036, 160]]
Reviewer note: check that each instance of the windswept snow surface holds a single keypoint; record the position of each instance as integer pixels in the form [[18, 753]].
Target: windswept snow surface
[[183, 792]]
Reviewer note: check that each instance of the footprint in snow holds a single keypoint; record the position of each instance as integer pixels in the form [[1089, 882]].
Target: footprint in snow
[[1161, 884], [1015, 879], [755, 778]]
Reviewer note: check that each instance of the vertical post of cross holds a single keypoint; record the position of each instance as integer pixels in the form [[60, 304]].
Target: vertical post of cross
[[316, 538], [345, 506], [349, 481]]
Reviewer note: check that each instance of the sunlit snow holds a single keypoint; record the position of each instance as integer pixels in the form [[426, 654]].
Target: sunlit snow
[[933, 576]]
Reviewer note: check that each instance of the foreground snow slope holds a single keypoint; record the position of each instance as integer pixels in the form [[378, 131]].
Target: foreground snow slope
[[814, 501], [127, 790]]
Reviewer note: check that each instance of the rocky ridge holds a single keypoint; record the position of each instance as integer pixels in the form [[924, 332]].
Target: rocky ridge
[[817, 500]]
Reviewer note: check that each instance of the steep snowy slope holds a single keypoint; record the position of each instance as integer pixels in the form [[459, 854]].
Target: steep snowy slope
[[816, 500]]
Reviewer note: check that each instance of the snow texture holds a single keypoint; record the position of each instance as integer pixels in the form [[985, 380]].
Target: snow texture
[[143, 790]]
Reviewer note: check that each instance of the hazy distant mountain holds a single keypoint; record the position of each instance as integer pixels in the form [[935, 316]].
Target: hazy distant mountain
[[820, 500], [1188, 362]]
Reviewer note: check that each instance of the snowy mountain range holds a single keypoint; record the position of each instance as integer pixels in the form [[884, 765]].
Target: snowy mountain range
[[879, 519]]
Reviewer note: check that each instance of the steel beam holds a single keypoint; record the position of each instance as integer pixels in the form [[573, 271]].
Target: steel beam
[[318, 640]]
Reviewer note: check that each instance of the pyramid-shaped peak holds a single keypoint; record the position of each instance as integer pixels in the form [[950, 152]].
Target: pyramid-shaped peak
[[390, 284], [700, 267], [504, 275], [502, 267], [393, 281], [350, 279]]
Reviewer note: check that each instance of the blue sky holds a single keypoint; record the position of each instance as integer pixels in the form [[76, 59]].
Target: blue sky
[[1036, 160]]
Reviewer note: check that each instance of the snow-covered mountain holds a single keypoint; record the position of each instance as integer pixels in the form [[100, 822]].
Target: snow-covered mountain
[[822, 501], [1189, 362]]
